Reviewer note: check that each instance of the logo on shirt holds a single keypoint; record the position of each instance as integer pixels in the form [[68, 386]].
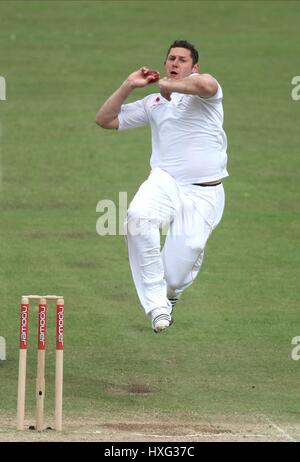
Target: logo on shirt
[[157, 102]]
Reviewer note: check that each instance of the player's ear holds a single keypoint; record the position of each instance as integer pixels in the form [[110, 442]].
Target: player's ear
[[196, 67]]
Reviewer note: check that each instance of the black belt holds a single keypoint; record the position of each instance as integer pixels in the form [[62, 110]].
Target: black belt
[[205, 184]]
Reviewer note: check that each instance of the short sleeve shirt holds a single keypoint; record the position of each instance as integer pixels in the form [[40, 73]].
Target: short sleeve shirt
[[188, 140]]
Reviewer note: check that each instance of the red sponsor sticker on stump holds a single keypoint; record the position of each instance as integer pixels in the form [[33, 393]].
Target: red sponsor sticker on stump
[[24, 326], [60, 327], [42, 327]]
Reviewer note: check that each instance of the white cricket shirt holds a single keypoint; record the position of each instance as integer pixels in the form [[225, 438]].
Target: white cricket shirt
[[188, 140]]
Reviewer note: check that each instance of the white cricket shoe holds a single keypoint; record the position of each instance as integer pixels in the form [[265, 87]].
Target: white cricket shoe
[[161, 319]]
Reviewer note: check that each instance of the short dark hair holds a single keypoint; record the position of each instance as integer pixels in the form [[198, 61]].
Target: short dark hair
[[188, 46]]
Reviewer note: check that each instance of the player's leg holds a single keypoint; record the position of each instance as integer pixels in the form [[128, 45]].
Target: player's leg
[[185, 242], [151, 208]]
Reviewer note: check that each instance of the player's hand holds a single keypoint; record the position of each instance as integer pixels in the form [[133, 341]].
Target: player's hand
[[164, 88], [143, 77]]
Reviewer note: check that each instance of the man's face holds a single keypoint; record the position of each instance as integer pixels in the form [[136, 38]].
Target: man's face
[[179, 63]]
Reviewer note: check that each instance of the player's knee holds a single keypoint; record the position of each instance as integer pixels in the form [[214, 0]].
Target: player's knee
[[181, 275], [175, 281], [140, 212], [196, 244], [134, 219], [175, 277], [139, 220], [135, 213]]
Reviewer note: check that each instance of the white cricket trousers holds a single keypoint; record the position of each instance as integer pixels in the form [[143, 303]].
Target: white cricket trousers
[[191, 213]]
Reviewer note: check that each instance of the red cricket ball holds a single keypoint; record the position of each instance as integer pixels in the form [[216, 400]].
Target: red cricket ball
[[153, 73]]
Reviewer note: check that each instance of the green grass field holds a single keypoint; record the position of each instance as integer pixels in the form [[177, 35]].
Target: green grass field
[[229, 351]]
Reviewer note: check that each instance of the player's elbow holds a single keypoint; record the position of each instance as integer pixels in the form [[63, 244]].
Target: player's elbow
[[207, 85], [100, 121], [105, 123]]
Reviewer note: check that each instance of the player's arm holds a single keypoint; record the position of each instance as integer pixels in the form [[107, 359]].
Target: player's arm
[[107, 116], [204, 85]]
